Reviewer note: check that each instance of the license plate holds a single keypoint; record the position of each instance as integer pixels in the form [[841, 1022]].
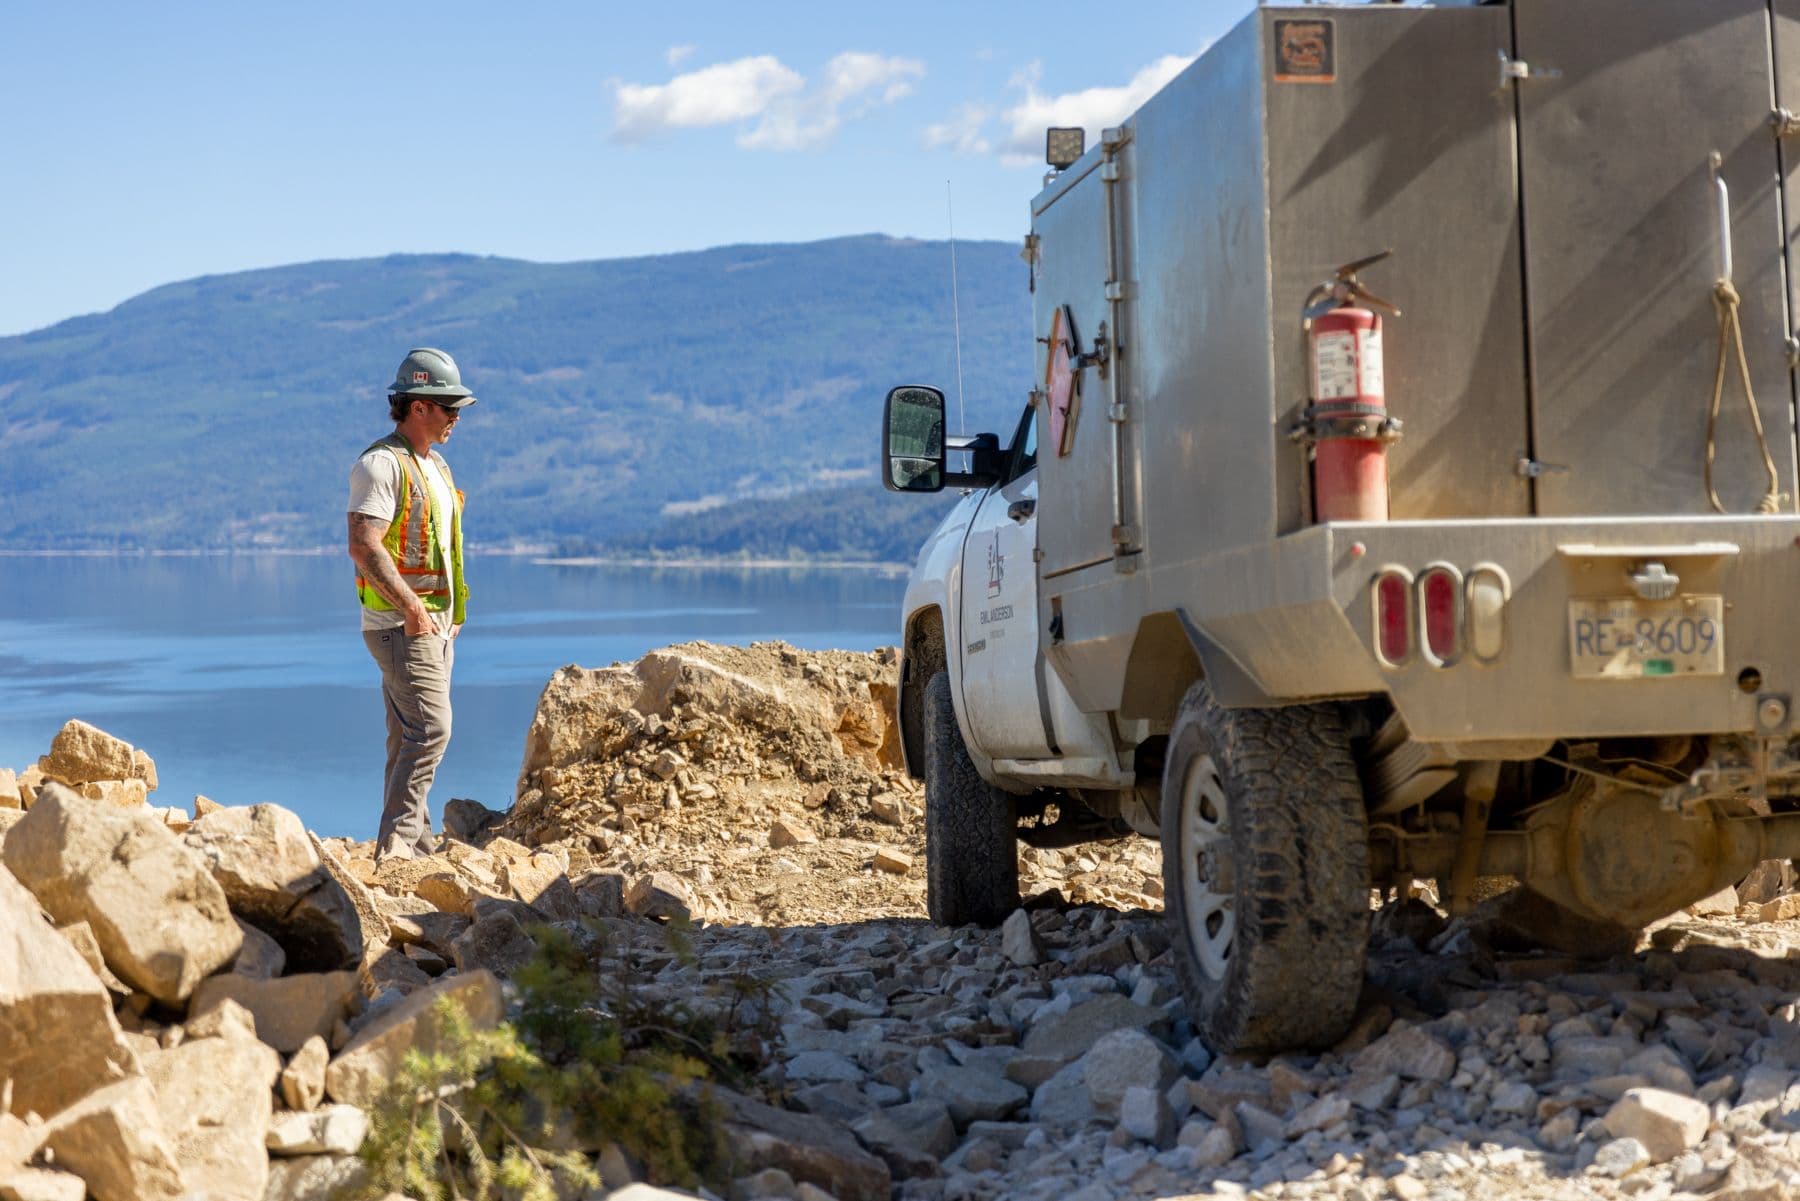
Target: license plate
[[1630, 639]]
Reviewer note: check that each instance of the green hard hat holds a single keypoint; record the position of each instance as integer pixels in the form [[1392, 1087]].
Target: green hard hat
[[427, 371]]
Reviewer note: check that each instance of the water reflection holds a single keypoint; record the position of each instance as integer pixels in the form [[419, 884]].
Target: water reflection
[[245, 679]]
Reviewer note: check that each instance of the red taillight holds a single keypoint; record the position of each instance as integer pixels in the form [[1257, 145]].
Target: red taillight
[[1440, 609], [1393, 616]]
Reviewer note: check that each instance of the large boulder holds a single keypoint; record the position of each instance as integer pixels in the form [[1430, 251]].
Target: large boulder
[[275, 880], [161, 920], [18, 1141], [1666, 1123], [1067, 1036], [82, 754], [366, 1064], [333, 1130], [497, 942], [315, 1178], [143, 767], [970, 1093], [571, 722], [674, 676], [58, 1036], [1125, 1059], [114, 1139], [40, 1184], [81, 937], [543, 883], [447, 890], [373, 923], [392, 968], [913, 1138], [661, 895], [303, 1079], [466, 819], [288, 1009], [808, 1148], [436, 932], [1409, 1052], [261, 957], [215, 1101], [126, 794]]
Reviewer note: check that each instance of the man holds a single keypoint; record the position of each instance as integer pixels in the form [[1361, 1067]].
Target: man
[[406, 541]]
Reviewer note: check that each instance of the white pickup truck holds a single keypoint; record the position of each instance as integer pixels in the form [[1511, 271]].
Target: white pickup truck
[[1329, 593]]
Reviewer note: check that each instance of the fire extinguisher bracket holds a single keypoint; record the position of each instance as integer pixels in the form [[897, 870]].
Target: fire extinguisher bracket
[[1320, 424]]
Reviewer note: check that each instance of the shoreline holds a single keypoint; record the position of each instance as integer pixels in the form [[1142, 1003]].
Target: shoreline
[[537, 555], [719, 564]]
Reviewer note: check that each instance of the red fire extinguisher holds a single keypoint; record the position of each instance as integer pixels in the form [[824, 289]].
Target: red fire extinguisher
[[1347, 426]]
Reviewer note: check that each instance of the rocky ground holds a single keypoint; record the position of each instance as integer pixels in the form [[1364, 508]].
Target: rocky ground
[[757, 790]]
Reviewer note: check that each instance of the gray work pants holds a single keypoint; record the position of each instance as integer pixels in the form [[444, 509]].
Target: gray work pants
[[415, 687]]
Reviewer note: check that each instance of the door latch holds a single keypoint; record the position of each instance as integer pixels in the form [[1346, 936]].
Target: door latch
[[1101, 355], [1513, 70], [1022, 508], [1786, 122]]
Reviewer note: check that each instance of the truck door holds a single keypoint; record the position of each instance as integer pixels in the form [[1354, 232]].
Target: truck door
[[1002, 685], [1622, 249]]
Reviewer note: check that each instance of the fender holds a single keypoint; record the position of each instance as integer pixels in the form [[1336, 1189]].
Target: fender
[[936, 584]]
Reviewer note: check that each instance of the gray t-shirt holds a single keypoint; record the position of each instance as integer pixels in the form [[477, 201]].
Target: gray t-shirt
[[375, 491]]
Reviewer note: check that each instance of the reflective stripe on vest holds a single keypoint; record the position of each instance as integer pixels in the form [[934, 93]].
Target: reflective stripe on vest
[[412, 541]]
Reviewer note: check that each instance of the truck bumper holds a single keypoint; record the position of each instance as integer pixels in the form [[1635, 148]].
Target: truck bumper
[[1295, 621]]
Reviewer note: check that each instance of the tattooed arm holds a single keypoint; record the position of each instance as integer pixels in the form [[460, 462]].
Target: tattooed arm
[[377, 567]]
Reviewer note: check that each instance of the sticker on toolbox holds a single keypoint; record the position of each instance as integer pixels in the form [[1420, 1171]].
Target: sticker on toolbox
[[1305, 51]]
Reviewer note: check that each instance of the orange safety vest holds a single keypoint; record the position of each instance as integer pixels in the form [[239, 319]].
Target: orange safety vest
[[412, 540]]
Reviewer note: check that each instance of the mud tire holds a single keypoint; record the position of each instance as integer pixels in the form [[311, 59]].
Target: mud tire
[[1288, 824], [971, 842]]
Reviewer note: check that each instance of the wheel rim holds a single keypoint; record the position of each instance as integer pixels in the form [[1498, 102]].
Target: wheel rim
[[1205, 845]]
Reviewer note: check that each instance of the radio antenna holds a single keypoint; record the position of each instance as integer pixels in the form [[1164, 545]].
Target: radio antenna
[[962, 421]]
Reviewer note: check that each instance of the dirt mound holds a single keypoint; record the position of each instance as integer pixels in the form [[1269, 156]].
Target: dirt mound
[[768, 778]]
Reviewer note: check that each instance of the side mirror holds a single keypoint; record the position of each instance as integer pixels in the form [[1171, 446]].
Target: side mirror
[[912, 443]]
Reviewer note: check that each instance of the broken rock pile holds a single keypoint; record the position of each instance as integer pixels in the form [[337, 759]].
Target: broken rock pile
[[193, 1014], [1052, 1060], [761, 784]]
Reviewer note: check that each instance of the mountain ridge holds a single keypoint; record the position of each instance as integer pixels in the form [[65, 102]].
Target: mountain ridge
[[222, 412]]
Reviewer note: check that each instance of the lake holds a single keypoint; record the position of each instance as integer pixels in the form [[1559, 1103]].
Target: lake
[[246, 679]]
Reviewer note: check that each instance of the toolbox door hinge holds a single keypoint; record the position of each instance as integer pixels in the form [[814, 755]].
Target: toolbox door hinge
[[1517, 70], [1528, 468]]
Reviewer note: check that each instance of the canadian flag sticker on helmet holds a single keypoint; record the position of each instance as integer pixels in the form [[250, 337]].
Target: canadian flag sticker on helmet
[[427, 371]]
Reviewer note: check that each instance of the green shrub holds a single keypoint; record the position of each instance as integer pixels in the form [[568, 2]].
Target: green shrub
[[595, 1054]]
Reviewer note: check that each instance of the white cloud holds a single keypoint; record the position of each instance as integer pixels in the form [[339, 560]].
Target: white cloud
[[963, 132], [854, 83], [854, 72], [784, 111], [676, 55], [1093, 109], [722, 94]]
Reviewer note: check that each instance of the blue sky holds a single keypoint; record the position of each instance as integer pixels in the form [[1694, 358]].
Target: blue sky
[[151, 143]]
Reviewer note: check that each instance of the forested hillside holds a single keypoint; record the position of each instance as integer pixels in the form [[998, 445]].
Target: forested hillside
[[722, 399]]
